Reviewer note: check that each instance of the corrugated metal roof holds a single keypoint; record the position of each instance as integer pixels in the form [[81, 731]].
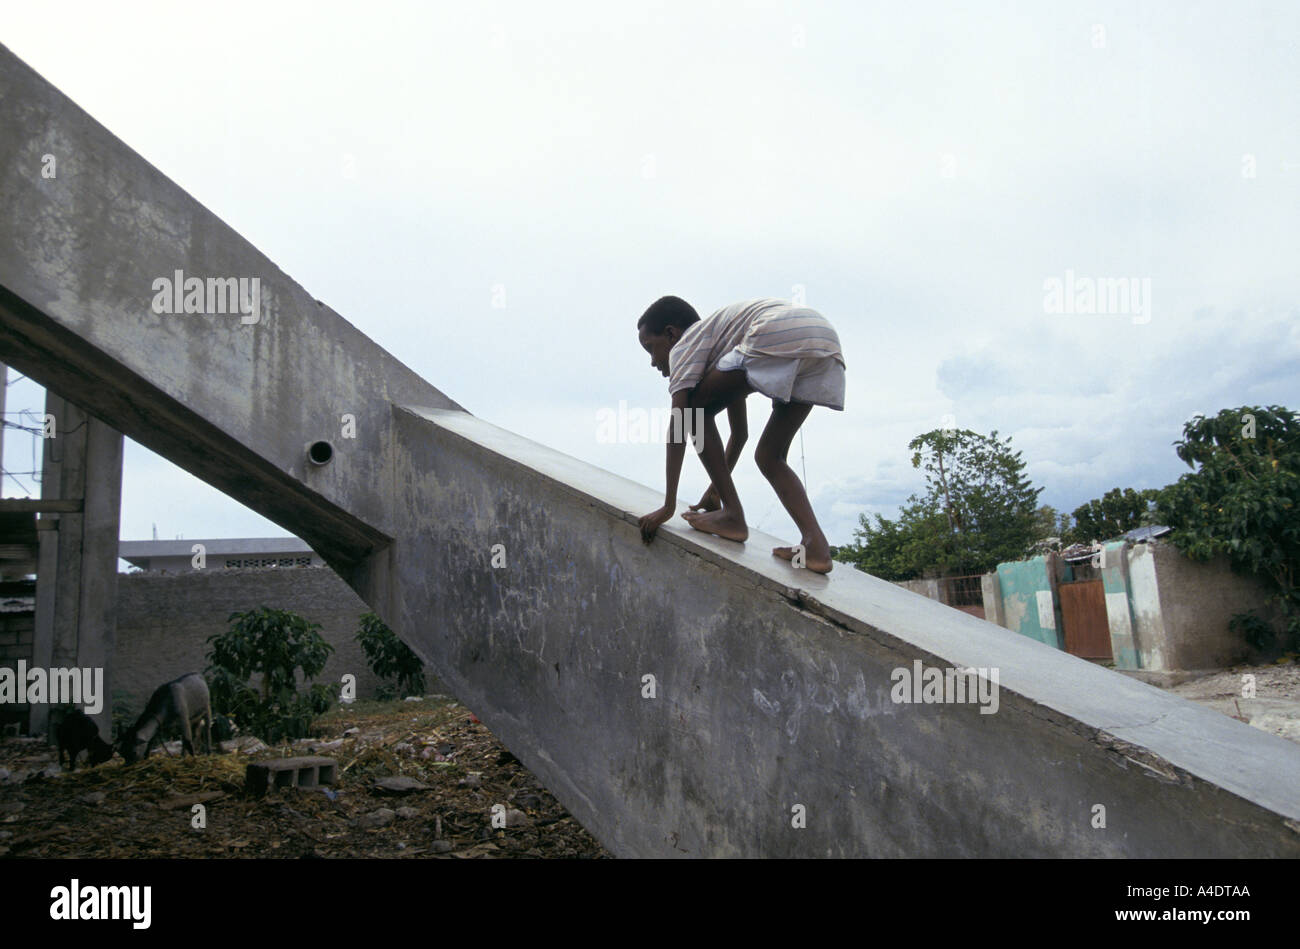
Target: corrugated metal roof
[[1141, 535], [1080, 553]]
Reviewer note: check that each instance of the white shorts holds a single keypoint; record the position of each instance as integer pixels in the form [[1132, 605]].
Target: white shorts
[[815, 381]]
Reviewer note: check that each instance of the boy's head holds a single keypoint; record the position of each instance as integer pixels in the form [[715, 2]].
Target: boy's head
[[662, 325]]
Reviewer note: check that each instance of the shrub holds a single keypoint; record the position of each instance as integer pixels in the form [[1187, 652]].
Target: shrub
[[275, 644], [390, 659]]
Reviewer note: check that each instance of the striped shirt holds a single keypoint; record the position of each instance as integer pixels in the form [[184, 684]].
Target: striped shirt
[[764, 327]]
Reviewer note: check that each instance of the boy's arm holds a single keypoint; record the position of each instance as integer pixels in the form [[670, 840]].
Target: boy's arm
[[676, 451], [738, 423]]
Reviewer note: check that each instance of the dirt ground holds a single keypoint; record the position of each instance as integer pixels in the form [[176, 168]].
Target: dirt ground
[[1275, 707], [146, 810]]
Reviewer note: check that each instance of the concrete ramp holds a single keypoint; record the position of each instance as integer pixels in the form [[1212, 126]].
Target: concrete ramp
[[694, 697]]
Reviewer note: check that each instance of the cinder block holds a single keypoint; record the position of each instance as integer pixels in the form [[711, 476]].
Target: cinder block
[[307, 772]]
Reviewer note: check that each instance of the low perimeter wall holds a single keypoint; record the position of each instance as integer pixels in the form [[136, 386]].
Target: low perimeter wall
[[1181, 609], [164, 620]]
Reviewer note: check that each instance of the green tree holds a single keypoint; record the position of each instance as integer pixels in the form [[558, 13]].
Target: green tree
[[979, 484], [1050, 528], [390, 658], [276, 644], [1243, 501], [903, 549], [1116, 512], [978, 511]]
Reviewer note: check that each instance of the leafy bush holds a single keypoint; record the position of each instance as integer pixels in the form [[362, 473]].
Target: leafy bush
[[390, 658], [1253, 629], [275, 644], [1244, 502]]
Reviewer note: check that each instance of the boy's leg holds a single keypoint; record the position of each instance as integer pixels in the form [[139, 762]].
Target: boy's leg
[[770, 456], [715, 392]]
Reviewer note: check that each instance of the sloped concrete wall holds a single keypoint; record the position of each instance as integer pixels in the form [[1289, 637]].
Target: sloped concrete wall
[[774, 689]]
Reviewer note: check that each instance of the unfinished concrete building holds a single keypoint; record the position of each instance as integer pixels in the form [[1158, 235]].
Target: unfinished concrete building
[[689, 698]]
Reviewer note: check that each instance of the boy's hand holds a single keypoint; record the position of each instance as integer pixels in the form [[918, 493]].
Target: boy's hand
[[650, 522], [710, 501]]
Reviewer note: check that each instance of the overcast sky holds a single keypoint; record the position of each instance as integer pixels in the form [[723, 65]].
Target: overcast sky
[[919, 173]]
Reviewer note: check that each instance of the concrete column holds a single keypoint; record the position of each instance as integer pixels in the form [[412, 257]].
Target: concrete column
[[76, 588], [991, 589], [1055, 574], [101, 532], [1119, 611], [4, 391], [48, 560], [942, 591]]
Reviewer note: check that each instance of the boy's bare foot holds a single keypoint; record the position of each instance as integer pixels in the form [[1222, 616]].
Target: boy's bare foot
[[724, 523], [816, 558], [709, 502]]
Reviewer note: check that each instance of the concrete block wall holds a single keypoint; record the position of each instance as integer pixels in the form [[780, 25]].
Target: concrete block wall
[[1182, 607], [1030, 603], [932, 589], [164, 621], [16, 631], [16, 634], [937, 589], [1166, 613]]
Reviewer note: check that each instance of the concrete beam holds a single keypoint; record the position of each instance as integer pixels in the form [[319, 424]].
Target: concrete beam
[[234, 403], [41, 505]]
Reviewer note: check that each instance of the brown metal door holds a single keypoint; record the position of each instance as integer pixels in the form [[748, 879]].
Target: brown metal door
[[1083, 611]]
